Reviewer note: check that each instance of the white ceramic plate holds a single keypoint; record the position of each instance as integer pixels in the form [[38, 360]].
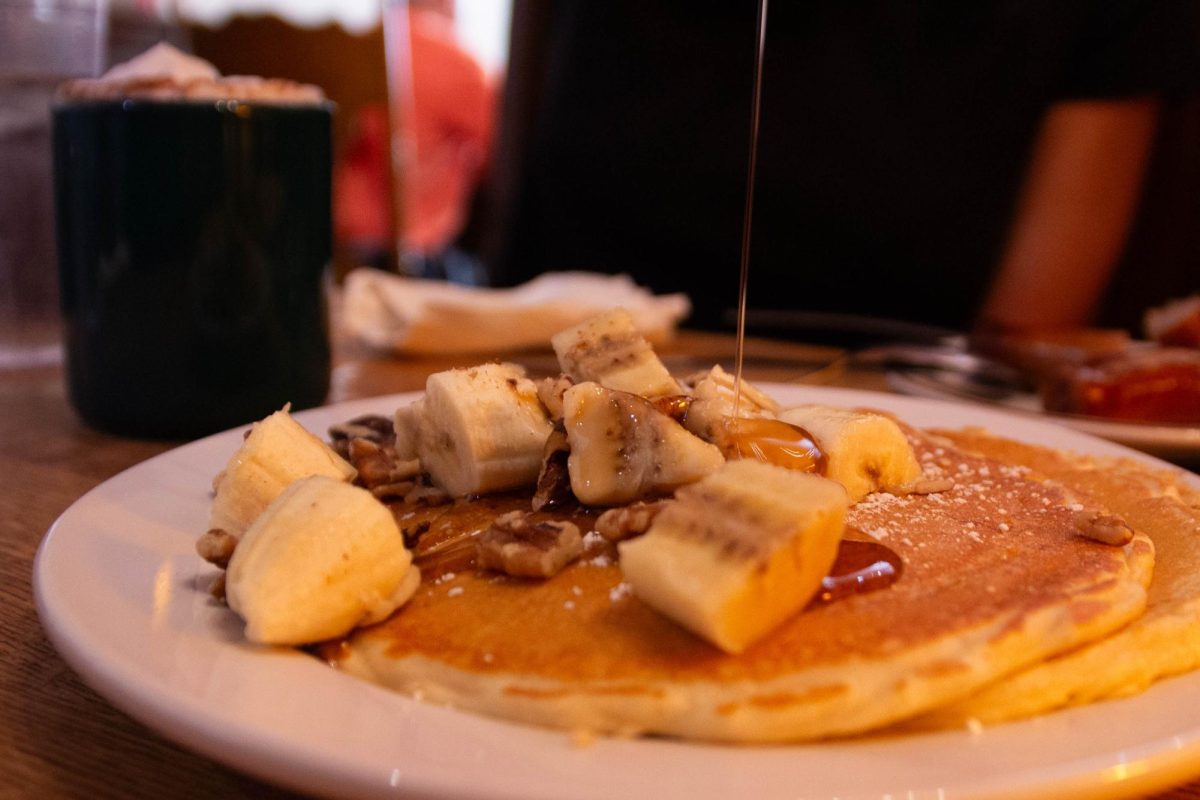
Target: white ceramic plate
[[1176, 442], [123, 597]]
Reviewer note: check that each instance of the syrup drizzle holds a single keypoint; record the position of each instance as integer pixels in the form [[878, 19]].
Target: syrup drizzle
[[748, 211], [863, 565], [772, 441]]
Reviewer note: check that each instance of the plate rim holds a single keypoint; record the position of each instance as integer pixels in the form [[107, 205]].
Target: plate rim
[[259, 751]]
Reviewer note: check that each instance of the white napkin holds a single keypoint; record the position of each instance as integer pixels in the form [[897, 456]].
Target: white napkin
[[411, 315]]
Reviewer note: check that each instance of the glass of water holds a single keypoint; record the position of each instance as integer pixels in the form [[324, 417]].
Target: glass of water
[[42, 43]]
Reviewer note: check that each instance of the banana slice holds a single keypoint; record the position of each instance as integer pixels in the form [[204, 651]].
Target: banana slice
[[864, 452], [407, 424], [713, 400], [608, 349], [323, 558], [739, 552], [277, 451], [717, 384], [623, 448], [481, 429]]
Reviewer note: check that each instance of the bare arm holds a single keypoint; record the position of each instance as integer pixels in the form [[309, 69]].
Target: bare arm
[[1074, 213]]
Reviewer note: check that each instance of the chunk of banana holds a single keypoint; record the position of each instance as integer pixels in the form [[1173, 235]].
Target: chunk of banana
[[278, 451], [623, 448], [717, 384], [713, 401], [608, 349], [865, 452], [481, 429], [323, 558], [406, 423], [739, 552]]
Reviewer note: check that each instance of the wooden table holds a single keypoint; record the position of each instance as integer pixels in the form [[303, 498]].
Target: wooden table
[[58, 738]]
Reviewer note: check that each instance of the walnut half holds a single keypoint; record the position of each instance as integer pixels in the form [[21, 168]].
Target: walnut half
[[380, 470], [1104, 528], [372, 427], [517, 545], [626, 522], [216, 547]]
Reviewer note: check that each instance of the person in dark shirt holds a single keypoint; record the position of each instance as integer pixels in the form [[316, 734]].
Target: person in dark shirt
[[942, 163]]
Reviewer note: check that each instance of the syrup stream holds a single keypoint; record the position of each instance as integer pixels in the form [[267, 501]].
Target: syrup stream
[[748, 211]]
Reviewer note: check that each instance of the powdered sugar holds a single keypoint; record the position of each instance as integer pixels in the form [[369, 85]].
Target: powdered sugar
[[620, 592]]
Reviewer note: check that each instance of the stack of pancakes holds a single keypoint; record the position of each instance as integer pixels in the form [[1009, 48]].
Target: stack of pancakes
[[1002, 610]]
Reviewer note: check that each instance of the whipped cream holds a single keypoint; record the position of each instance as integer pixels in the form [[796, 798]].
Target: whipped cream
[[163, 61], [166, 73]]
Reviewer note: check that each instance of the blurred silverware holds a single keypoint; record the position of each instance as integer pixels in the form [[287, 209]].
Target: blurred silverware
[[967, 371]]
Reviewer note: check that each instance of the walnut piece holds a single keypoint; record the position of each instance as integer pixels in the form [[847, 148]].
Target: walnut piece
[[393, 491], [554, 479], [216, 547], [372, 427], [412, 534], [217, 588], [517, 545], [626, 522], [1103, 528], [378, 466]]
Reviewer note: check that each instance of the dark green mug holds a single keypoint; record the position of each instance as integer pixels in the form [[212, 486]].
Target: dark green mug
[[193, 246]]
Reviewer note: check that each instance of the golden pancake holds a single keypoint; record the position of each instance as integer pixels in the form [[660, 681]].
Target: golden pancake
[[995, 579], [1164, 641]]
